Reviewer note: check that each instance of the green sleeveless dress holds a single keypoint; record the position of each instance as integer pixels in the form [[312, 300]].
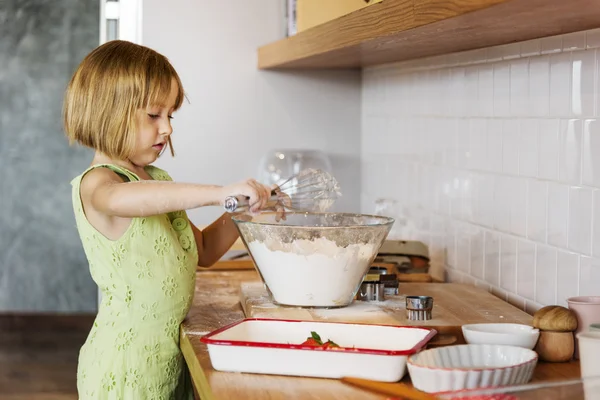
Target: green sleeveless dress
[[147, 280]]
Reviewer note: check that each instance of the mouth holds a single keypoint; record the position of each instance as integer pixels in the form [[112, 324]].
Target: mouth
[[158, 146]]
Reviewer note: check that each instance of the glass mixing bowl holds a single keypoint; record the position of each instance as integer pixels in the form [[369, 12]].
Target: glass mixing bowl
[[278, 165], [313, 259]]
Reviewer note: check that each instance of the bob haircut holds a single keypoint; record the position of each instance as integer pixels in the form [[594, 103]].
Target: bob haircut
[[112, 82]]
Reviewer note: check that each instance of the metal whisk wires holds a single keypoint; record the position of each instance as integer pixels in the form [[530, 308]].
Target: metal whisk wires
[[309, 190]]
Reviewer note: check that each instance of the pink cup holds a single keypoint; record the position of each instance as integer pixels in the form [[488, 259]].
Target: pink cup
[[587, 310]]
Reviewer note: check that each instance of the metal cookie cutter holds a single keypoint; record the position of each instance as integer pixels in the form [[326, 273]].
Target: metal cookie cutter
[[380, 275], [371, 291], [418, 308]]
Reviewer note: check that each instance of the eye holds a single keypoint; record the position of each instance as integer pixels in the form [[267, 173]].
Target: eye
[[154, 116], [171, 117]]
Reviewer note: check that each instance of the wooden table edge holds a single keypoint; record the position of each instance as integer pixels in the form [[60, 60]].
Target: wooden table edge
[[201, 384]]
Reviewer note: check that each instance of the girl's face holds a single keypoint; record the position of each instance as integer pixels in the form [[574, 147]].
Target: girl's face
[[154, 125]]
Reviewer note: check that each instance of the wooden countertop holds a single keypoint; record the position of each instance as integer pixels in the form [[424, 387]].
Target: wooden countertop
[[216, 303]]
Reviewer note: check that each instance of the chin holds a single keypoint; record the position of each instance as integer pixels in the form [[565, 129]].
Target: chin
[[145, 161]]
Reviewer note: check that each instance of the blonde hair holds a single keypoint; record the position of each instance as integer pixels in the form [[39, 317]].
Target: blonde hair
[[112, 82]]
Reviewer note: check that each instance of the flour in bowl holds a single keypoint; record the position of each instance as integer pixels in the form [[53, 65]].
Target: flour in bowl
[[312, 273]]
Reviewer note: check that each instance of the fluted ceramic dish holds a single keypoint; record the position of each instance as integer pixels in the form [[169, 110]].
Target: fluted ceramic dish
[[471, 366]]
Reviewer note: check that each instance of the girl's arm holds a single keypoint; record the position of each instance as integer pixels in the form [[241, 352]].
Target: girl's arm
[[215, 240], [111, 196]]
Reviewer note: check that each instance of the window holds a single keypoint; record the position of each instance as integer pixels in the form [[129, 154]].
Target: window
[[121, 19]]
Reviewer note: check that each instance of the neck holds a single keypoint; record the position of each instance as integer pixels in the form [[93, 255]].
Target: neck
[[101, 158]]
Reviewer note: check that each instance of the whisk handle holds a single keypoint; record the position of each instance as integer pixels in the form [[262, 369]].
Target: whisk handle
[[232, 203]]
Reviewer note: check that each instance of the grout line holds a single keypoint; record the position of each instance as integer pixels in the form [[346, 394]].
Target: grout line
[[592, 219], [578, 274], [535, 263]]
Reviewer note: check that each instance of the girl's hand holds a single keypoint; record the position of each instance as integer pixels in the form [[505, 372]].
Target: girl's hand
[[283, 202], [258, 194], [261, 197]]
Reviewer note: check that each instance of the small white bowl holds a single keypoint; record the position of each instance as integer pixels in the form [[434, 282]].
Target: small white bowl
[[471, 366], [505, 334]]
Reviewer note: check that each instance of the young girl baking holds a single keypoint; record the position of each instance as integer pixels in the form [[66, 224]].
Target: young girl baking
[[141, 247]]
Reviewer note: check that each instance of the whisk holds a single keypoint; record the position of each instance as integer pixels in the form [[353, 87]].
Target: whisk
[[309, 190]]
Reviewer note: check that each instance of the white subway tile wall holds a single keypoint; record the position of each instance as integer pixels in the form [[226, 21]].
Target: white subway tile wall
[[493, 158]]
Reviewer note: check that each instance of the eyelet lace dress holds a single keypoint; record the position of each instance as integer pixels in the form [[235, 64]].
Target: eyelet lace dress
[[147, 280]]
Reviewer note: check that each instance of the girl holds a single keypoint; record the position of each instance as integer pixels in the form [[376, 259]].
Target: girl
[[141, 247]]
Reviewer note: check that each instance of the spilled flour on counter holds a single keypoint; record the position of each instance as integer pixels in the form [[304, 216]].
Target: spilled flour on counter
[[312, 272]]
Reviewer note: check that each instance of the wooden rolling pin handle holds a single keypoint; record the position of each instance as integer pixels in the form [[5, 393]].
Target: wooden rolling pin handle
[[442, 340], [401, 390]]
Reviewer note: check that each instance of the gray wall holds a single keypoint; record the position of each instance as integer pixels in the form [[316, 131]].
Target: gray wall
[[42, 264]]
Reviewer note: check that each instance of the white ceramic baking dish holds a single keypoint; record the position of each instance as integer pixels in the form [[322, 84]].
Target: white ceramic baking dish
[[504, 334], [471, 366], [267, 346]]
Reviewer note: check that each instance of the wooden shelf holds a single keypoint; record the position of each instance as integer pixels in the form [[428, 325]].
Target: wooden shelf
[[397, 30]]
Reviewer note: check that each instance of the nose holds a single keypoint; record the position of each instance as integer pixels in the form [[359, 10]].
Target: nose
[[165, 128]]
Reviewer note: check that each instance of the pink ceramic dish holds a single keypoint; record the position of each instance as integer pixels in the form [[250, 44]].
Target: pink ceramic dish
[[584, 300], [587, 310]]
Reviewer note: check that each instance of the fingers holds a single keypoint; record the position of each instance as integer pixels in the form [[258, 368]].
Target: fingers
[[255, 196], [284, 199], [267, 194], [259, 195], [280, 204], [279, 212]]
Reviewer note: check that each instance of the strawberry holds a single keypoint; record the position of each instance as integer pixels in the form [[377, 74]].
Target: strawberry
[[330, 344], [311, 342], [315, 340]]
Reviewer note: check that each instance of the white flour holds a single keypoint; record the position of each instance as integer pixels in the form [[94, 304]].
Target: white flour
[[312, 273]]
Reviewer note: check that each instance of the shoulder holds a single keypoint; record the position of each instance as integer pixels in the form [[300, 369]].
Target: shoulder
[[97, 176], [157, 173]]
